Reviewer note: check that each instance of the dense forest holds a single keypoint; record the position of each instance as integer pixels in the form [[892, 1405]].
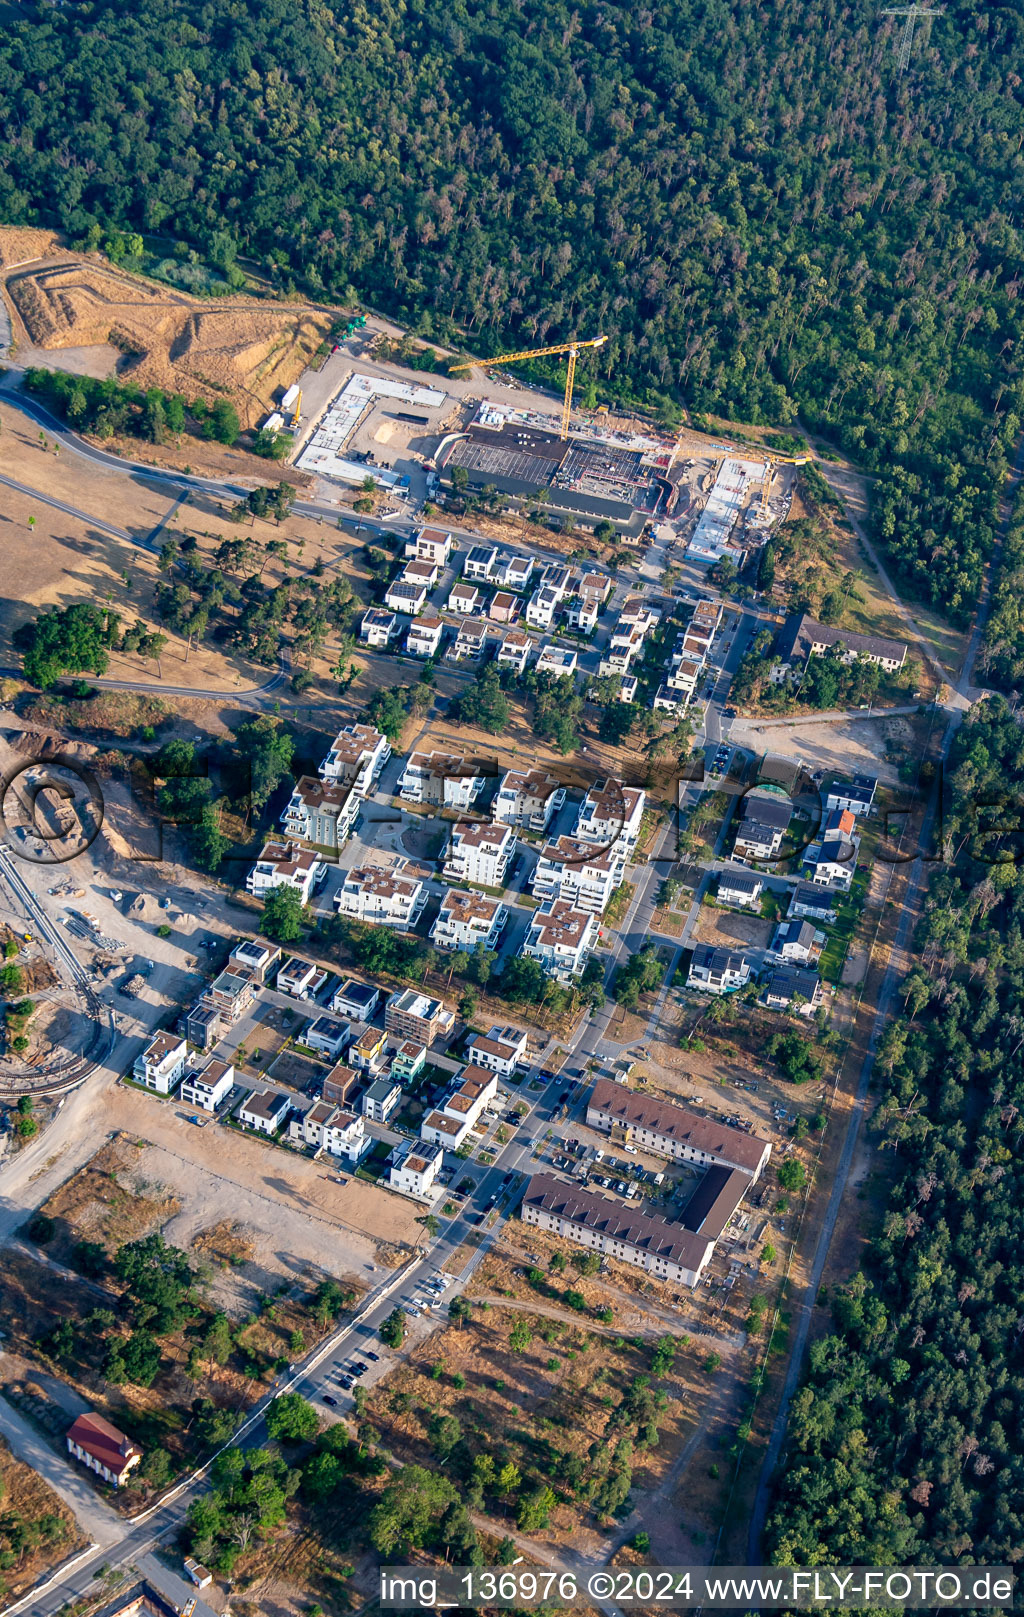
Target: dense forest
[[762, 213], [904, 1441]]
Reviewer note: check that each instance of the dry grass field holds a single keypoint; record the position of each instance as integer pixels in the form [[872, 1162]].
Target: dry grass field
[[53, 558], [27, 1498], [238, 348]]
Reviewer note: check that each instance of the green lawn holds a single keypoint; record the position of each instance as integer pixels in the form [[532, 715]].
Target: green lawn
[[849, 906]]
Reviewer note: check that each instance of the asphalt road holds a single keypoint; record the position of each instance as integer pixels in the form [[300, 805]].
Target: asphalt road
[[69, 510]]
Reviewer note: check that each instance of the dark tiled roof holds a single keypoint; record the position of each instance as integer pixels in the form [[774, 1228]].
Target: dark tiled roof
[[714, 1201], [617, 1222], [678, 1123], [800, 632]]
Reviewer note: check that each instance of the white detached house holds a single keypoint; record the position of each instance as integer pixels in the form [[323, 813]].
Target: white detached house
[[162, 1063]]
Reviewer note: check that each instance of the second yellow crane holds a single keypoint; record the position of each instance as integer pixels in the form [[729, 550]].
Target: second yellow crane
[[570, 348], [769, 476]]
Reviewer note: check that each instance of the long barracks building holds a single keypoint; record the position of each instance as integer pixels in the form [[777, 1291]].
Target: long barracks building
[[675, 1251]]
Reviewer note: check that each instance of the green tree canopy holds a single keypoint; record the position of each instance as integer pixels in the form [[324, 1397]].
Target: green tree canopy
[[66, 640]]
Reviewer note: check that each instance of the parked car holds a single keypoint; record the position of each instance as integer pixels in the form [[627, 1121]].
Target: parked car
[[329, 1400]]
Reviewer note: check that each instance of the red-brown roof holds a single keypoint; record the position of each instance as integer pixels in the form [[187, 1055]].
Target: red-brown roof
[[103, 1441]]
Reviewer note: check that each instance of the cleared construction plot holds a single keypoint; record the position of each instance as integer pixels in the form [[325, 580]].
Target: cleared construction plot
[[242, 349]]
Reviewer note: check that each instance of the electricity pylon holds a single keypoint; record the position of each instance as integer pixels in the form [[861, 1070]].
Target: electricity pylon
[[912, 13]]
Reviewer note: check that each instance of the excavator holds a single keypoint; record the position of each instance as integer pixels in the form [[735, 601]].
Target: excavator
[[573, 350]]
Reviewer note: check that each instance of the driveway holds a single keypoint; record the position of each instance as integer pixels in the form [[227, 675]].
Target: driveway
[[95, 1518]]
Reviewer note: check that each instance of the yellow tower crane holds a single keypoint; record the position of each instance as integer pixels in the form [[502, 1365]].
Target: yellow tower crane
[[770, 465], [570, 348]]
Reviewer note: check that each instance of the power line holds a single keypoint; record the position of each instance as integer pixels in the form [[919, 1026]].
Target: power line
[[912, 13]]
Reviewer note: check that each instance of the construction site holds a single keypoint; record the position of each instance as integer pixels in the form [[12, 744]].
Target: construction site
[[474, 434]]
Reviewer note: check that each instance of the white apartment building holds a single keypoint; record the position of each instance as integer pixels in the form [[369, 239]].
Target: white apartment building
[[577, 872], [421, 572], [479, 563], [479, 853], [856, 794], [718, 971], [561, 938], [332, 1129], [320, 813], [301, 979], [558, 578], [425, 635], [357, 755], [500, 1051], [743, 889], [412, 1169], [356, 1000], [378, 628], [264, 1112], [610, 817], [796, 943], [207, 1086], [255, 956], [666, 700], [667, 1251], [638, 614], [469, 645], [438, 1128], [582, 613], [557, 660], [469, 1097], [832, 860], [380, 1099], [623, 648], [327, 1036], [468, 919], [161, 1063], [529, 798], [406, 597], [541, 607], [465, 599], [285, 864], [382, 897], [442, 778], [514, 649], [432, 545], [513, 572]]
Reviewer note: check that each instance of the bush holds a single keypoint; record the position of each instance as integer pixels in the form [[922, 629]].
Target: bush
[[40, 1228]]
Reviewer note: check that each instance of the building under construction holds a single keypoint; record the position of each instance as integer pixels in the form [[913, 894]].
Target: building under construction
[[589, 479]]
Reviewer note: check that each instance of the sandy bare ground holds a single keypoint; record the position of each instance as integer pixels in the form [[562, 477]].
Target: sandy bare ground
[[53, 558], [295, 1209], [240, 348], [846, 746], [728, 928]]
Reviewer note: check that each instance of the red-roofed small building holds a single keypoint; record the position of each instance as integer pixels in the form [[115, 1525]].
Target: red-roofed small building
[[103, 1449]]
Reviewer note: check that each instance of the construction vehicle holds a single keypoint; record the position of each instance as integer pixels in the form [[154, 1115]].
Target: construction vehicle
[[295, 413], [770, 465], [570, 348]]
